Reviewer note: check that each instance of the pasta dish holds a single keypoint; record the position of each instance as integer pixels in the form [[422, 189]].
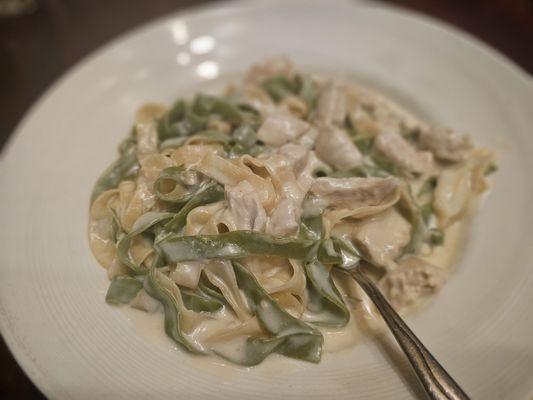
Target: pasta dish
[[239, 216]]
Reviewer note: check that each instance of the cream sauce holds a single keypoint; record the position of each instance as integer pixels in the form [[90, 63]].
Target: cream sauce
[[150, 327], [342, 338], [224, 330]]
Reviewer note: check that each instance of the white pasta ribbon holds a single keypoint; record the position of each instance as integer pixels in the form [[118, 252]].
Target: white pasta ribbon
[[101, 232], [137, 203], [458, 184], [228, 173], [220, 274], [146, 128], [204, 219], [192, 154]]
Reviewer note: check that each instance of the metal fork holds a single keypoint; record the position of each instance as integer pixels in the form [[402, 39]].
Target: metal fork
[[438, 384]]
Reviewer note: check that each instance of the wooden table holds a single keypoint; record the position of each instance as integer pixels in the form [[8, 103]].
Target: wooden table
[[35, 49]]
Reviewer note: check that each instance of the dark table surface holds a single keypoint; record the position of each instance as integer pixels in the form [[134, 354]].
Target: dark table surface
[[35, 49]]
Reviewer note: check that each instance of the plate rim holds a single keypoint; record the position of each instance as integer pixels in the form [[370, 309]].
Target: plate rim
[[491, 54]]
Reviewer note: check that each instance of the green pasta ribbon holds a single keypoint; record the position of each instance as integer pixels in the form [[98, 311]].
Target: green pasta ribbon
[[206, 194], [125, 167], [206, 136], [144, 223], [123, 289], [240, 244], [288, 335], [418, 215], [181, 192], [186, 119], [163, 289], [200, 302], [279, 87], [325, 303], [232, 245]]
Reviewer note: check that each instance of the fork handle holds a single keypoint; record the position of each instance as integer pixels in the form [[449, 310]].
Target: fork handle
[[439, 385]]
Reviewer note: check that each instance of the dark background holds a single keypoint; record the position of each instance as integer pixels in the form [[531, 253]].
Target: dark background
[[35, 49]]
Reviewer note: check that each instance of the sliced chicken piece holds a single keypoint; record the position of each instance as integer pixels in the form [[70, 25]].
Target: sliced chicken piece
[[385, 112], [285, 218], [458, 184], [281, 172], [258, 99], [308, 139], [395, 147], [245, 207], [307, 174], [297, 155], [353, 198], [446, 144], [412, 280], [278, 129], [187, 273], [254, 95], [144, 302], [383, 236], [363, 123], [354, 192], [334, 146], [452, 194], [232, 172], [269, 68], [331, 107], [304, 164]]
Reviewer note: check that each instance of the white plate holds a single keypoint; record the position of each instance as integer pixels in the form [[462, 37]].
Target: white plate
[[52, 309]]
